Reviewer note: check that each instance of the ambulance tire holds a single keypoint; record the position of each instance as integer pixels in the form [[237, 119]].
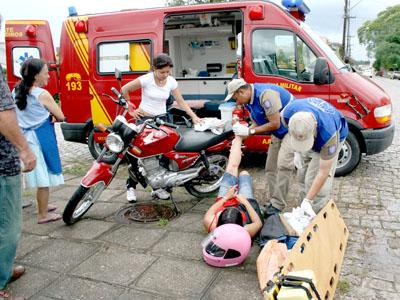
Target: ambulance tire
[[96, 148], [349, 156]]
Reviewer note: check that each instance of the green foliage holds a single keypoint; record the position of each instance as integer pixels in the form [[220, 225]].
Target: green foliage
[[382, 37], [163, 222], [192, 2], [75, 169], [343, 286]]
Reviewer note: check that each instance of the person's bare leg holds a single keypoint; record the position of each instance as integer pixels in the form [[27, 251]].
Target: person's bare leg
[[42, 197], [235, 156]]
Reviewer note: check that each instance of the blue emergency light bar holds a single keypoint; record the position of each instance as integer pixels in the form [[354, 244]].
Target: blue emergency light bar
[[72, 11], [296, 4]]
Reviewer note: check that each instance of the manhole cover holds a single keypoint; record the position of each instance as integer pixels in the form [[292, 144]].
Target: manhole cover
[[144, 213]]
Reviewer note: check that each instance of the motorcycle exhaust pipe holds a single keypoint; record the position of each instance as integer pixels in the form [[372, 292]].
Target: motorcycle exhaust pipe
[[181, 177]]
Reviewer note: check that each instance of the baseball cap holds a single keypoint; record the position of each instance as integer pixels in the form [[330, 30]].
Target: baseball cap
[[301, 131], [233, 86]]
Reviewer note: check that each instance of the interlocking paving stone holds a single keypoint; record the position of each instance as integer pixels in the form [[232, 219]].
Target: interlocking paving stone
[[59, 255], [235, 285], [103, 210], [30, 242], [67, 287], [34, 281], [133, 294], [114, 266], [85, 229], [180, 244], [134, 237], [189, 222], [176, 277]]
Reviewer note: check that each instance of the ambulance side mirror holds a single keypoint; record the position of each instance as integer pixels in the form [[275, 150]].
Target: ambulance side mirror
[[118, 74], [322, 73]]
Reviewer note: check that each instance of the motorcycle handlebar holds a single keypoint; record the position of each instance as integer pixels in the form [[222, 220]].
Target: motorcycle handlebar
[[115, 91], [162, 122]]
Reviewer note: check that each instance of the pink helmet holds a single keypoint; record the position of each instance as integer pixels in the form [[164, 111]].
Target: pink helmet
[[227, 245]]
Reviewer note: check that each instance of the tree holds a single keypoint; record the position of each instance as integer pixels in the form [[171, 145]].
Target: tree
[[190, 2], [382, 37]]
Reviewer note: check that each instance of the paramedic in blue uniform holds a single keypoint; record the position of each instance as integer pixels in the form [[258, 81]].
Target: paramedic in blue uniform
[[265, 102], [317, 131]]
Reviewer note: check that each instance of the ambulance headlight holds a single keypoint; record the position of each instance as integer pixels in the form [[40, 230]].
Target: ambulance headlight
[[114, 142], [383, 114]]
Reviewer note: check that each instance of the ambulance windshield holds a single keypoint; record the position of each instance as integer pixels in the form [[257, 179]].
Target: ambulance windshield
[[327, 50]]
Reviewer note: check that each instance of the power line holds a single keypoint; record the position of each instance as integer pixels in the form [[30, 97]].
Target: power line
[[356, 4]]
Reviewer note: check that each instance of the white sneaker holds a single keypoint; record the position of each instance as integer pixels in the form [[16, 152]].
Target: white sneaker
[[131, 195], [161, 193]]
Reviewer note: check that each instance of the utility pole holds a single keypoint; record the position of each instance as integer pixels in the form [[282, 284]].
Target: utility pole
[[345, 28], [348, 43]]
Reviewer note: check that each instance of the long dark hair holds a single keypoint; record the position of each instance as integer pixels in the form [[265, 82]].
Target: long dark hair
[[162, 60], [230, 215], [29, 69]]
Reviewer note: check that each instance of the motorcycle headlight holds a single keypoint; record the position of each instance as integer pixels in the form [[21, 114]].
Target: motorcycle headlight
[[114, 142]]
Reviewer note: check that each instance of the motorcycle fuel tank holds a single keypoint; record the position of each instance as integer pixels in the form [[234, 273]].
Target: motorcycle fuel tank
[[153, 142]]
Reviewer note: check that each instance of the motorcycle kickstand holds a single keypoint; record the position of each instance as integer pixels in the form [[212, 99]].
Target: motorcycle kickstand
[[175, 208]]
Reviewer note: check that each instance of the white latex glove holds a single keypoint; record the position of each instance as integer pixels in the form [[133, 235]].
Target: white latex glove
[[298, 160], [240, 129], [306, 206]]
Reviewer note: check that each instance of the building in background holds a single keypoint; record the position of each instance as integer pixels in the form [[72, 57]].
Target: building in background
[[3, 54]]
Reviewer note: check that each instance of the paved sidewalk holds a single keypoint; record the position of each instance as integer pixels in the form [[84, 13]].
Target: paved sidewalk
[[97, 258]]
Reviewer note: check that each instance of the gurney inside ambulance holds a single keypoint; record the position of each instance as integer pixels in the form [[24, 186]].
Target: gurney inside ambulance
[[310, 269], [203, 48]]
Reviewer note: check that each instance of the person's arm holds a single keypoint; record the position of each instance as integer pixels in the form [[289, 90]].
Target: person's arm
[[48, 101], [254, 227], [235, 156], [209, 219], [182, 103], [328, 154], [11, 131], [269, 261], [130, 87], [274, 122], [262, 263], [126, 89], [319, 180]]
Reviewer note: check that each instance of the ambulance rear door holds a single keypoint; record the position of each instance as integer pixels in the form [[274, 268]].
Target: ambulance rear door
[[30, 39]]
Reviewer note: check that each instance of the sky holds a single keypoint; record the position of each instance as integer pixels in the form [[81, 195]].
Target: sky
[[326, 16]]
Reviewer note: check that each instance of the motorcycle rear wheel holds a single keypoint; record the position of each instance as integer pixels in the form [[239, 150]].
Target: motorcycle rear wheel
[[207, 184], [81, 201]]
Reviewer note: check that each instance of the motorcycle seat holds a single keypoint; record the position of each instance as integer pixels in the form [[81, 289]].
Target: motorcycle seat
[[195, 141]]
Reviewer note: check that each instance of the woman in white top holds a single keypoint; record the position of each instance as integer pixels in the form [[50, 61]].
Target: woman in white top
[[157, 86]]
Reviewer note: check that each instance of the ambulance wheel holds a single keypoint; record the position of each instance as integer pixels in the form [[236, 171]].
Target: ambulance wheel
[[96, 148], [349, 156]]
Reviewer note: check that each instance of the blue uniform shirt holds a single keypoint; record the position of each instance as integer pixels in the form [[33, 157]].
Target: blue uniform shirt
[[257, 111], [329, 119]]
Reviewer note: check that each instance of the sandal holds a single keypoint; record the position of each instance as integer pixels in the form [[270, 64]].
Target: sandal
[[51, 208], [50, 218]]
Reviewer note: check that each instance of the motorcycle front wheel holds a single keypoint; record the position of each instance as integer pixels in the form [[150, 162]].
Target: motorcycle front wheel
[[209, 182], [81, 201]]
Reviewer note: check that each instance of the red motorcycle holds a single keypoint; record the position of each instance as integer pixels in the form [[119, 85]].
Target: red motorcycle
[[160, 154]]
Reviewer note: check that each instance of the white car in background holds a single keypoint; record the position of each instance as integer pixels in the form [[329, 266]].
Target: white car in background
[[367, 73], [395, 75]]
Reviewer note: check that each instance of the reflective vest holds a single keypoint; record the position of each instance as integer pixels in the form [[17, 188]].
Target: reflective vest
[[329, 119], [257, 112]]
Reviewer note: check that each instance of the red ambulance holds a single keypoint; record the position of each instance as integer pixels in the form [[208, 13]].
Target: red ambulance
[[209, 44]]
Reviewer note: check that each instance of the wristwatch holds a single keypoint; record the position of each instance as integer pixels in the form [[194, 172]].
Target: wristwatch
[[252, 131]]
